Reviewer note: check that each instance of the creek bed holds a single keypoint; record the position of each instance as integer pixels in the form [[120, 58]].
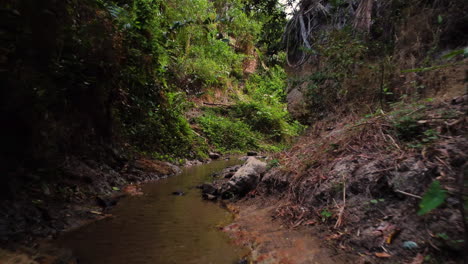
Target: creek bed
[[159, 227]]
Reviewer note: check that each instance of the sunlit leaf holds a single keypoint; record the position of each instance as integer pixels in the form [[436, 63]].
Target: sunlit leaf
[[433, 198]]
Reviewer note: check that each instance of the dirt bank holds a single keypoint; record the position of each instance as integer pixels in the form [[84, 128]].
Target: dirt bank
[[357, 183], [271, 241]]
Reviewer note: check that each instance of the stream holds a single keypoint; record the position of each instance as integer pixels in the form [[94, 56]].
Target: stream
[[159, 227]]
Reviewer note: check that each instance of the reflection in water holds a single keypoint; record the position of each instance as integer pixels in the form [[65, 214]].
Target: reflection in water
[[159, 227]]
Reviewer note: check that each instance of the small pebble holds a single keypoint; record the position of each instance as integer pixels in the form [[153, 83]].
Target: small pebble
[[410, 245]]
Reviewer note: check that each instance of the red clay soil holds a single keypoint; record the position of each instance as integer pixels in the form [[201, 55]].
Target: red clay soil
[[271, 241]]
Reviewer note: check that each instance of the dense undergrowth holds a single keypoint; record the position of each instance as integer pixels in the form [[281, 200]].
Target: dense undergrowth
[[257, 119], [91, 77]]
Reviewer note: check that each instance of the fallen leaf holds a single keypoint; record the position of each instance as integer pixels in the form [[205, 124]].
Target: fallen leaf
[[95, 212], [392, 235], [382, 255]]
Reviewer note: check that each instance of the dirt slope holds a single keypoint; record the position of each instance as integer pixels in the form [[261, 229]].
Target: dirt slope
[[358, 182]]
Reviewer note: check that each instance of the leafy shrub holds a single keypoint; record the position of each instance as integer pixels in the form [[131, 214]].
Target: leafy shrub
[[212, 63], [408, 129], [166, 131], [227, 134], [267, 119], [268, 86], [264, 108]]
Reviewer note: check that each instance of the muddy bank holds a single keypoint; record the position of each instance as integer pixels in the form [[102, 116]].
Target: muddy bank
[[271, 241]]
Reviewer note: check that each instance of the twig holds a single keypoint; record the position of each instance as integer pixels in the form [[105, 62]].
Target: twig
[[444, 163], [409, 194], [340, 214], [393, 141]]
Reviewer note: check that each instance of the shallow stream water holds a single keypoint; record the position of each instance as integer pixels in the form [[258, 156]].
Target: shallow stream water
[[160, 228]]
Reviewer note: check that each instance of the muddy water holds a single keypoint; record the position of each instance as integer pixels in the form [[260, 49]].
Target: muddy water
[[160, 228]]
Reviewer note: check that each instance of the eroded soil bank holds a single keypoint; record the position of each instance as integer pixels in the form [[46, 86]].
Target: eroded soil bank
[[357, 185]]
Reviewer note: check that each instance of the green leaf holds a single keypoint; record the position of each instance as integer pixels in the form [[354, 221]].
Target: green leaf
[[374, 201], [439, 19], [454, 53], [443, 236], [116, 188], [433, 198]]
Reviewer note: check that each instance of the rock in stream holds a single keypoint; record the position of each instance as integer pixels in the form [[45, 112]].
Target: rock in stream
[[242, 179]]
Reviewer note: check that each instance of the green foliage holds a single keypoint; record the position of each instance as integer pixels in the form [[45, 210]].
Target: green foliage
[[268, 86], [376, 201], [260, 115], [264, 108], [228, 134], [272, 16], [433, 198], [183, 42], [325, 215], [273, 163], [211, 63], [262, 118], [165, 129], [409, 129], [119, 72]]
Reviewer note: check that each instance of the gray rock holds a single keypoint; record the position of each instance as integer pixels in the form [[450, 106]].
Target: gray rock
[[229, 172], [410, 245], [246, 178]]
